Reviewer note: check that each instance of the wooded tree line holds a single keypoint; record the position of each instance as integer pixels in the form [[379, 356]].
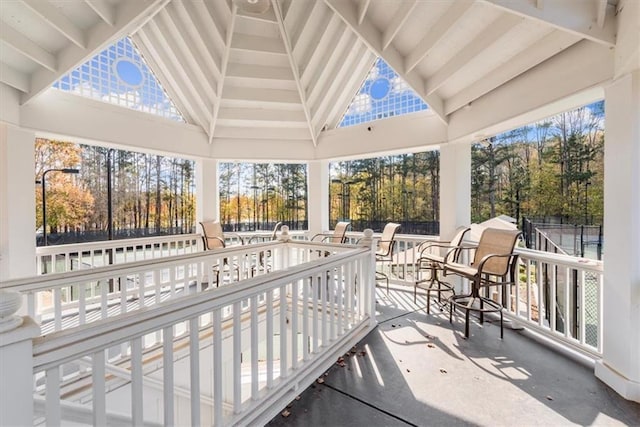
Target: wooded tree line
[[553, 168], [149, 193], [257, 195]]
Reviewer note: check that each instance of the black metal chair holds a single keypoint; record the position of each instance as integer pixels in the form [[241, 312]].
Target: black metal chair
[[384, 253], [494, 264], [431, 258]]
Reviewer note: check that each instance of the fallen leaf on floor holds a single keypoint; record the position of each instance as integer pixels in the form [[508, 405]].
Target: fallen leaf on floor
[[320, 380], [353, 350], [400, 360], [342, 364], [286, 413], [393, 326], [444, 371], [430, 345], [549, 398], [408, 370], [297, 397], [289, 405]]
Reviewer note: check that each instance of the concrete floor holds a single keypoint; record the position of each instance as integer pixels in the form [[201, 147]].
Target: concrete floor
[[417, 369]]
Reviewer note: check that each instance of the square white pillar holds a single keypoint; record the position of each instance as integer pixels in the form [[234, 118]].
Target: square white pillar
[[207, 191], [318, 205], [620, 366], [455, 186], [17, 203]]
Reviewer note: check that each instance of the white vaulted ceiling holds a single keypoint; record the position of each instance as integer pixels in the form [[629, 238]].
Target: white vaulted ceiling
[[289, 73]]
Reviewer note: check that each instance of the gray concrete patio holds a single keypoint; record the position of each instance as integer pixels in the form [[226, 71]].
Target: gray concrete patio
[[417, 369]]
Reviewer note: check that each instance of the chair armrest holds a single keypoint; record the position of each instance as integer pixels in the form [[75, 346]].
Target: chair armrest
[[391, 246], [454, 249], [236, 235], [206, 245], [324, 236], [424, 245], [488, 257]]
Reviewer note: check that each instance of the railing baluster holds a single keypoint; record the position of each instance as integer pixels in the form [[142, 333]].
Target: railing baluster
[[332, 304], [567, 313], [581, 309], [194, 370], [254, 348], [294, 324], [167, 375], [136, 382], [104, 302], [283, 332], [82, 303], [217, 368], [306, 285], [52, 403], [99, 398], [541, 299], [553, 298], [270, 338], [57, 308], [323, 297], [237, 358]]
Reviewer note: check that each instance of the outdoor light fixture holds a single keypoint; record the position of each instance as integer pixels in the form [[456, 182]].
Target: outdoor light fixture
[[44, 197], [253, 6]]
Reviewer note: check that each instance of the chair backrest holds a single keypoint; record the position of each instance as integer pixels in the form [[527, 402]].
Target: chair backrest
[[456, 240], [340, 232], [495, 241], [387, 240], [212, 235], [274, 235]]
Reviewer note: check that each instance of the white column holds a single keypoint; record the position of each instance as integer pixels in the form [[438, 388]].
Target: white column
[[17, 203], [620, 365], [455, 186], [207, 193], [16, 371], [318, 184]]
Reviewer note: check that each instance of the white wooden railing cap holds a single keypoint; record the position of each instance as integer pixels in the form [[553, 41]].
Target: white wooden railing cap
[[10, 302]]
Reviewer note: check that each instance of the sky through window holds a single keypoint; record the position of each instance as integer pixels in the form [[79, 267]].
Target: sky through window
[[383, 94], [120, 76]]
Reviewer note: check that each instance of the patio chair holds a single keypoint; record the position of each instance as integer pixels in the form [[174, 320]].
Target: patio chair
[[493, 261], [384, 253], [431, 258], [264, 257], [214, 238], [339, 234]]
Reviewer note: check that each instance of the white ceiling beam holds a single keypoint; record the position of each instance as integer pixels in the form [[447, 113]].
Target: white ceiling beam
[[221, 18], [257, 44], [104, 10], [330, 34], [575, 16], [436, 32], [297, 23], [174, 91], [314, 24], [205, 28], [351, 60], [362, 10], [168, 19], [477, 46], [601, 12], [198, 46], [345, 86], [14, 78], [214, 24], [263, 115], [371, 36], [539, 52], [24, 46], [57, 21], [264, 97], [224, 67], [173, 75], [177, 66], [294, 67], [262, 133], [398, 20], [337, 54], [130, 15]]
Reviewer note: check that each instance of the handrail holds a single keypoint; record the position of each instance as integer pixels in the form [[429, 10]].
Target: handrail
[[328, 301]]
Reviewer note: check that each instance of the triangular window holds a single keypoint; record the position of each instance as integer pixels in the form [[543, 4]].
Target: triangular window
[[120, 76], [383, 94]]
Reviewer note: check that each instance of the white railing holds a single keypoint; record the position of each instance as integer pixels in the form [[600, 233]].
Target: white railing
[[232, 355], [78, 256], [557, 295], [65, 300]]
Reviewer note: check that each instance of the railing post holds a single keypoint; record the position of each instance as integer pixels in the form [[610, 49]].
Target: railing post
[[369, 277], [16, 362]]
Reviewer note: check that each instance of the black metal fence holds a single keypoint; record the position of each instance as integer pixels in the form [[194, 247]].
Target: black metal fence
[[575, 239], [424, 228], [99, 235]]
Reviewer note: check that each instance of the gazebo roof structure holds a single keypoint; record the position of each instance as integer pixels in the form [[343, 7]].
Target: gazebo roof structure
[[276, 84]]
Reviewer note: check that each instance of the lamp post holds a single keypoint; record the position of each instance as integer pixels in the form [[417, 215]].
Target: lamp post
[[255, 206], [44, 199], [345, 195]]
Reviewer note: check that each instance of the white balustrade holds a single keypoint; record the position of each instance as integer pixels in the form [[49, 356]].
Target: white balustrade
[[235, 354], [79, 256]]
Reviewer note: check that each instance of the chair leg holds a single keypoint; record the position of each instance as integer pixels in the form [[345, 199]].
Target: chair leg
[[429, 300], [466, 323], [501, 326]]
